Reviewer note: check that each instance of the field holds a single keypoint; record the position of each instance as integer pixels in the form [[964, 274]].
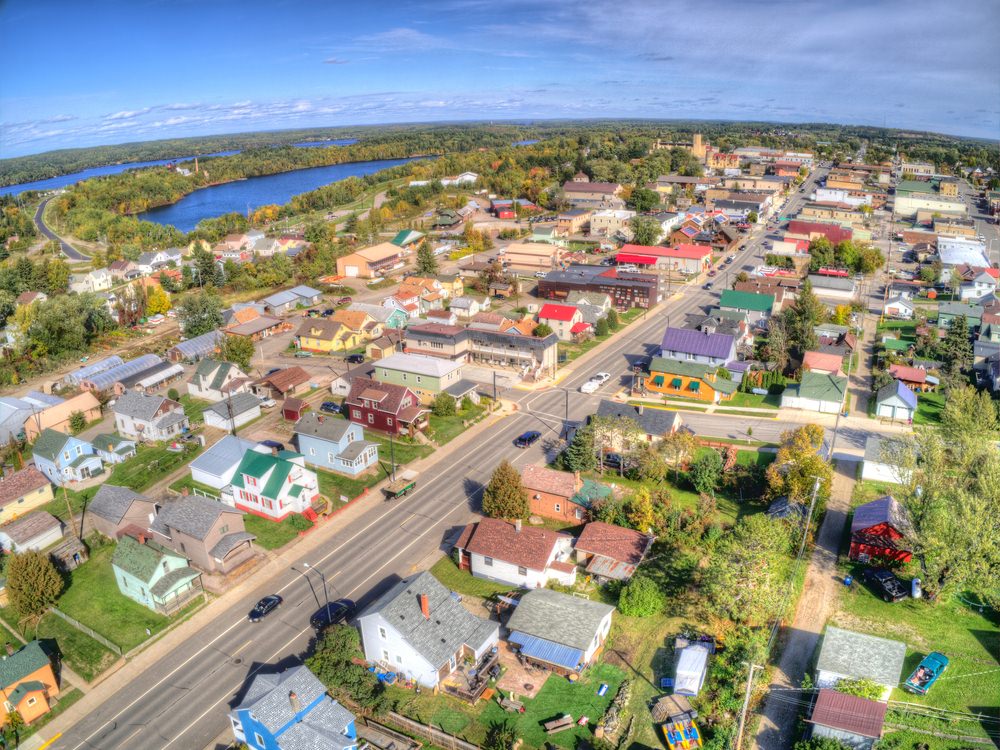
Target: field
[[770, 401]]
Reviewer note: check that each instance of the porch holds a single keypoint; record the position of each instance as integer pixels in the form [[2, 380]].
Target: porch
[[470, 680]]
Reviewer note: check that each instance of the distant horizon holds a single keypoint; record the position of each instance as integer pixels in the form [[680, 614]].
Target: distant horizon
[[148, 70]]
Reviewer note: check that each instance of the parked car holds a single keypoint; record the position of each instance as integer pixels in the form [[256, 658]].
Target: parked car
[[273, 444], [301, 354], [527, 439], [885, 584], [356, 359], [330, 407], [540, 274], [271, 371], [344, 301], [328, 312], [264, 607], [332, 614], [616, 461], [268, 403]]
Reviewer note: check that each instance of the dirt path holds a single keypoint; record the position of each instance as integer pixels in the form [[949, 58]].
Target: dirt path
[[777, 725]]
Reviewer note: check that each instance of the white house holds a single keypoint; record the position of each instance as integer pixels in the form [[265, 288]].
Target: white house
[[217, 465], [846, 655], [980, 286], [98, 280], [143, 417], [610, 222], [273, 486], [528, 557], [157, 259], [419, 630], [817, 392], [878, 466], [895, 401], [214, 380], [899, 307], [233, 411], [466, 178]]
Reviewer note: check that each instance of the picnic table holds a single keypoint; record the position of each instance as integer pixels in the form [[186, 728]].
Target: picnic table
[[509, 704], [557, 725]]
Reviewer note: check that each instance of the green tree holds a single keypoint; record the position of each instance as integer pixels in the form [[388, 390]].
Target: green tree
[[802, 319], [335, 661], [861, 688], [500, 736], [200, 313], [542, 330], [706, 471], [601, 329], [427, 264], [444, 405], [77, 422], [614, 323], [645, 230], [641, 597], [652, 464], [776, 346], [798, 464], [505, 496], [580, 453], [956, 347], [752, 217], [643, 199], [237, 349], [678, 448], [33, 583], [157, 301], [821, 743]]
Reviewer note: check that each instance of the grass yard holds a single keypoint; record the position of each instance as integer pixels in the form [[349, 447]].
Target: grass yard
[[150, 464], [905, 328], [739, 413], [187, 483], [406, 451], [77, 500], [275, 534], [445, 429], [462, 581], [83, 654], [193, 407], [929, 407], [770, 401], [334, 485]]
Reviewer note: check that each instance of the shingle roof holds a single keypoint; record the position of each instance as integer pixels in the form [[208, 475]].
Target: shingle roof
[[138, 405], [27, 659], [421, 365], [560, 618], [139, 560], [226, 544], [543, 479], [49, 443], [30, 526], [285, 380], [193, 515], [20, 483], [857, 656], [624, 545], [530, 547], [822, 361], [392, 402], [820, 387], [112, 502], [321, 426], [884, 510], [449, 627], [718, 345], [653, 421], [236, 404], [909, 374], [849, 713], [897, 389]]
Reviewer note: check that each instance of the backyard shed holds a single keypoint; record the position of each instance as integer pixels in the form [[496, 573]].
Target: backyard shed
[[692, 666], [848, 719], [293, 408], [881, 530], [846, 655]]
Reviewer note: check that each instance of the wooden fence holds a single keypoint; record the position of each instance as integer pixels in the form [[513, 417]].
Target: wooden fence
[[89, 631]]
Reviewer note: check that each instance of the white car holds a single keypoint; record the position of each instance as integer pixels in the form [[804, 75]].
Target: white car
[[268, 403], [601, 378], [590, 386]]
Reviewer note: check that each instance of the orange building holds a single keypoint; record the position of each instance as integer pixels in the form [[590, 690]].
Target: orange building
[[560, 495], [27, 682], [688, 380]]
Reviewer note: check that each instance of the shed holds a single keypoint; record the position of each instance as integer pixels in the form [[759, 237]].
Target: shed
[[881, 530], [563, 632], [293, 408], [846, 655], [69, 555], [34, 531], [848, 719], [692, 666], [877, 465], [895, 401]]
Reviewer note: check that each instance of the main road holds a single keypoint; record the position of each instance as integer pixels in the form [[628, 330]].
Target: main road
[[68, 250]]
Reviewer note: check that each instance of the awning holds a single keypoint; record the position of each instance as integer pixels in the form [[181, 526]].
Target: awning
[[643, 260], [547, 651], [676, 383], [658, 380], [693, 385]]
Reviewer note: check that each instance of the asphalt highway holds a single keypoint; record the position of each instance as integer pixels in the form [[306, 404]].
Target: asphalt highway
[[67, 249]]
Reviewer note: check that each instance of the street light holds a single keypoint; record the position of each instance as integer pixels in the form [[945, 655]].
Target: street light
[[326, 594]]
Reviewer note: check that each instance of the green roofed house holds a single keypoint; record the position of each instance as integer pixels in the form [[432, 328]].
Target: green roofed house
[[112, 448], [408, 239], [676, 379], [756, 306], [816, 392], [153, 575], [272, 485]]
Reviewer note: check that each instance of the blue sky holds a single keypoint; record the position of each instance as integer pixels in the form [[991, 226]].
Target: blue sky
[[89, 73]]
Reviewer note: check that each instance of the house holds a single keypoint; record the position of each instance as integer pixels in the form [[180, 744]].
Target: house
[[385, 407], [22, 492], [561, 632], [896, 401], [29, 298], [123, 270], [899, 308], [852, 721], [566, 321], [272, 486], [846, 655], [685, 345], [282, 303], [817, 392], [656, 423], [425, 376], [981, 285], [335, 444], [673, 377], [626, 288], [573, 221], [408, 239], [385, 345], [98, 280], [587, 194], [57, 416], [143, 417], [419, 630], [466, 307], [756, 306], [561, 495], [64, 458], [214, 380], [599, 300], [510, 553], [216, 466], [113, 449], [155, 260], [154, 576], [878, 465], [196, 349], [251, 323], [287, 382], [114, 508], [881, 532], [389, 317], [292, 711], [211, 534], [370, 262], [824, 363], [914, 378], [33, 531], [613, 223], [833, 287], [948, 311], [232, 412], [611, 553], [27, 682]]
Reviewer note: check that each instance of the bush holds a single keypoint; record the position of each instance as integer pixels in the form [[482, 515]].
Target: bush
[[33, 583], [444, 405], [860, 689], [641, 597], [173, 395], [602, 328], [706, 471]]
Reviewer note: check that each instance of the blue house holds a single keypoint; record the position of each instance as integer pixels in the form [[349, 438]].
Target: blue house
[[64, 458], [335, 444], [291, 711], [114, 449]]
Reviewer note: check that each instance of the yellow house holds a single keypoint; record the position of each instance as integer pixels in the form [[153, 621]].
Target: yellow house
[[360, 323], [22, 492], [448, 286], [346, 330], [676, 379]]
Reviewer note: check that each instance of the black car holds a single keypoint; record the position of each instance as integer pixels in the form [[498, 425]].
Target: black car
[[274, 444], [527, 439], [264, 607], [328, 312], [332, 613], [330, 407], [885, 584], [356, 359], [271, 371]]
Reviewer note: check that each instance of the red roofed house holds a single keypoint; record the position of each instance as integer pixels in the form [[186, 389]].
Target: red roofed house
[[685, 258], [507, 552], [914, 378], [854, 722], [385, 407], [810, 230], [881, 530], [561, 319], [611, 552], [561, 495], [821, 362]]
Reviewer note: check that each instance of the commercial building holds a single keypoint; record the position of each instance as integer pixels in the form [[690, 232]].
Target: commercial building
[[371, 262], [626, 289]]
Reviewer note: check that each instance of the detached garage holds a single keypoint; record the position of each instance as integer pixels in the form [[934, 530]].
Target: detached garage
[[895, 401], [817, 392], [233, 412]]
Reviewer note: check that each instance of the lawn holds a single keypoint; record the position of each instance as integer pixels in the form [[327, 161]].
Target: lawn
[[905, 328], [83, 654], [193, 407], [77, 500], [462, 581], [406, 451], [275, 534], [187, 483], [929, 406], [445, 429], [770, 401], [150, 464]]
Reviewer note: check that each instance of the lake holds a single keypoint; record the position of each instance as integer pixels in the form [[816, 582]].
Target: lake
[[257, 191], [69, 179]]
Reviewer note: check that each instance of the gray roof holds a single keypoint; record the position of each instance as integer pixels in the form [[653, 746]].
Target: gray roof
[[653, 421], [874, 450], [831, 282], [239, 403], [322, 426], [193, 515], [355, 449], [112, 502], [222, 456], [560, 618], [860, 656], [884, 510], [226, 544], [138, 405], [462, 388], [30, 526], [450, 625], [719, 345], [321, 728]]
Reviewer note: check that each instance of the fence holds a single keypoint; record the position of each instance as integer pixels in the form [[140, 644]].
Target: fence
[[435, 736], [89, 631]]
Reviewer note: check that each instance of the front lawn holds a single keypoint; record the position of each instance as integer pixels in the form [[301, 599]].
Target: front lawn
[[445, 429], [275, 534], [187, 483], [770, 401], [929, 407], [462, 581], [405, 450], [150, 464]]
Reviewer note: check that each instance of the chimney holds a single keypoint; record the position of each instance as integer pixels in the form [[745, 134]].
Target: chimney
[[294, 702], [425, 606], [10, 648], [517, 526]]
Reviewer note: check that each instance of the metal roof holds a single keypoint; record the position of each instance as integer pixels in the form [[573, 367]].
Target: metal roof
[[559, 617], [223, 456], [107, 378], [93, 368], [547, 651]]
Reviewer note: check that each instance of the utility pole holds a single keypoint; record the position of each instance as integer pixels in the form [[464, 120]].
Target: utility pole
[[69, 511], [746, 704], [805, 530]]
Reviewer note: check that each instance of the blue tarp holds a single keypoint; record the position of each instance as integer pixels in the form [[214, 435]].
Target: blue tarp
[[547, 651]]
